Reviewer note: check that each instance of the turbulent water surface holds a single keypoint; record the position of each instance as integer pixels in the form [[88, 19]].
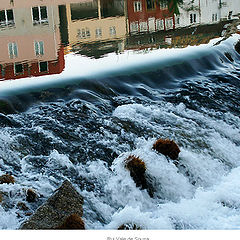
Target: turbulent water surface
[[84, 128]]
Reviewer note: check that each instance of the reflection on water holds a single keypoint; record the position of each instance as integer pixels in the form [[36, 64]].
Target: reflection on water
[[35, 35]]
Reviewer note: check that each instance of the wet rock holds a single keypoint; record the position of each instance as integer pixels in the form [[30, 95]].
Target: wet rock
[[6, 107], [63, 203], [22, 206], [129, 226], [23, 210], [237, 47], [6, 178], [167, 147], [74, 221], [31, 195], [137, 170]]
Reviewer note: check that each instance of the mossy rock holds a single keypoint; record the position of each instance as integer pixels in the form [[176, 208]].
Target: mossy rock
[[64, 202], [167, 147], [6, 178], [74, 221], [137, 170]]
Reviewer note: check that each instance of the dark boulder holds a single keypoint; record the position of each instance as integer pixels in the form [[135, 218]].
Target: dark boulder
[[31, 195], [167, 147], [237, 47], [64, 202], [137, 170]]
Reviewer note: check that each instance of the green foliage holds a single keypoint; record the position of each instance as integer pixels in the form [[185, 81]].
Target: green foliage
[[172, 5]]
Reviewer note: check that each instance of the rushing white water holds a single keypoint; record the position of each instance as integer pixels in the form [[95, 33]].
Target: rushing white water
[[201, 193]]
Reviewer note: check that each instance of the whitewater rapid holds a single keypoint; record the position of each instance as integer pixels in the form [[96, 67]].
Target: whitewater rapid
[[87, 141]]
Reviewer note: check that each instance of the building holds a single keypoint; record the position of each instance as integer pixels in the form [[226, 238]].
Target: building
[[193, 13], [30, 42], [149, 16], [94, 28]]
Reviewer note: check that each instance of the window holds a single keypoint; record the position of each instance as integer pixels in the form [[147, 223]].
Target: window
[[12, 50], [112, 31], [98, 32], [214, 17], [160, 24], [6, 18], [143, 27], [150, 4], [39, 48], [18, 68], [137, 6], [134, 27], [169, 23], [39, 15], [83, 33], [151, 24], [193, 18], [43, 66], [230, 15], [163, 4]]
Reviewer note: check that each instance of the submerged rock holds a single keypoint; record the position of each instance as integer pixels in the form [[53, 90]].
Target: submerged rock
[[129, 226], [22, 206], [6, 178], [31, 195], [167, 147], [53, 214]]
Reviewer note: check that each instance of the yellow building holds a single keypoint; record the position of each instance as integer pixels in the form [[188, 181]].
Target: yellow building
[[94, 22]]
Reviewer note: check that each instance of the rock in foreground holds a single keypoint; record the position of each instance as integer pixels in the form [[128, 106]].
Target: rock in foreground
[[6, 178], [55, 213]]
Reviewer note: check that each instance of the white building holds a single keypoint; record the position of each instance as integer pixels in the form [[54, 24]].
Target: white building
[[194, 12]]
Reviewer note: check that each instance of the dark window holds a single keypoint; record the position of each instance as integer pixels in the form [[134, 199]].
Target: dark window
[[35, 13], [18, 68], [150, 4], [6, 17], [43, 11], [2, 16], [10, 15], [39, 15], [43, 66]]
